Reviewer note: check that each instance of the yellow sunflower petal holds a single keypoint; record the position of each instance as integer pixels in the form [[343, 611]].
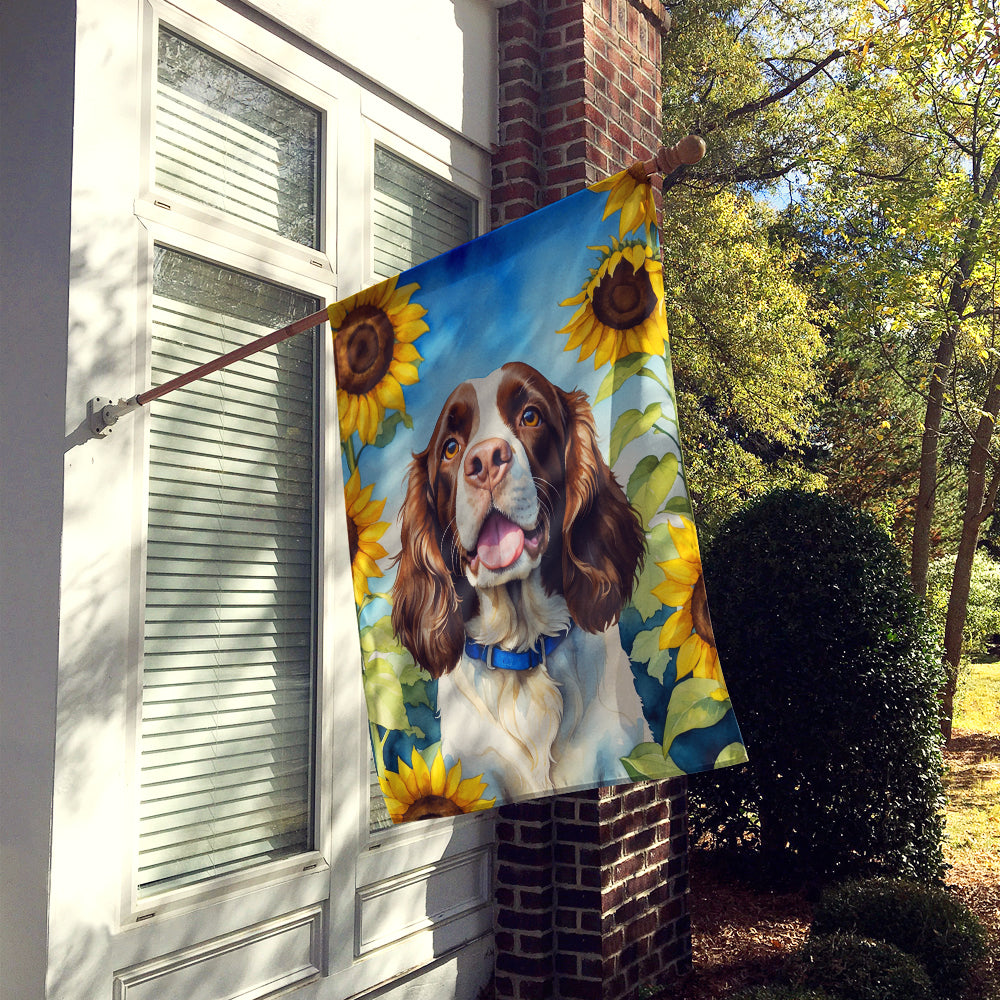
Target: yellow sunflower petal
[[685, 540], [439, 775], [404, 352], [409, 779], [468, 791], [405, 374], [389, 394], [454, 780], [676, 629], [397, 788], [673, 593], [420, 772], [708, 664], [697, 657]]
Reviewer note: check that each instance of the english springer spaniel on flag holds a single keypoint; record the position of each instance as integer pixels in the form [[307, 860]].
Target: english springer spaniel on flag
[[519, 551]]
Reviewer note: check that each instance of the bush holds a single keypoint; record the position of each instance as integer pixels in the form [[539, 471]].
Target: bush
[[925, 922], [856, 968], [782, 993], [834, 675]]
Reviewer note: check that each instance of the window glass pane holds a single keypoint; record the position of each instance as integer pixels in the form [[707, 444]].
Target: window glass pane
[[231, 141], [228, 658], [416, 217]]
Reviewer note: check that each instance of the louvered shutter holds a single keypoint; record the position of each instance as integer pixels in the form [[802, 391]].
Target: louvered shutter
[[227, 681], [416, 216]]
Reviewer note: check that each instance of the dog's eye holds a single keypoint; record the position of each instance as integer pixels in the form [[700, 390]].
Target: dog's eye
[[531, 417], [450, 449]]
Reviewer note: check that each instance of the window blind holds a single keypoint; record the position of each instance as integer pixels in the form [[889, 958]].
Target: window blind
[[416, 216], [228, 140], [228, 653]]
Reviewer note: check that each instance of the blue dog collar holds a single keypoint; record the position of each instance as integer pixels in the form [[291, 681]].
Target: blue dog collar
[[504, 659]]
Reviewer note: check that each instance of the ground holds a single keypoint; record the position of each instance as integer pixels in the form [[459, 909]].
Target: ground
[[742, 935]]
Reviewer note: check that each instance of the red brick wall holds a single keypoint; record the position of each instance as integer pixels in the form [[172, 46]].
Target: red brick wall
[[591, 889], [579, 96]]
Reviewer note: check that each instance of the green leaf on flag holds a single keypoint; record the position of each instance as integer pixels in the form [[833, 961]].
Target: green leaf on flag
[[648, 760], [630, 425], [697, 703], [620, 373], [650, 483], [384, 695], [735, 753], [680, 504], [646, 649]]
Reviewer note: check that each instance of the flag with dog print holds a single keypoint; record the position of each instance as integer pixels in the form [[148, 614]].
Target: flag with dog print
[[531, 610]]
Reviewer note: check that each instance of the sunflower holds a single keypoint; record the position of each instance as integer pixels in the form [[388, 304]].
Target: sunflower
[[373, 334], [632, 193], [620, 307], [363, 532], [419, 792], [689, 628]]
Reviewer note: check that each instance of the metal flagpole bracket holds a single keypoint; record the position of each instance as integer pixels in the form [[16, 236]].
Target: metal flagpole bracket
[[103, 413]]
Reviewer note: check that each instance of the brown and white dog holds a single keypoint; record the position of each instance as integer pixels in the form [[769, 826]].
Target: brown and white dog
[[519, 551]]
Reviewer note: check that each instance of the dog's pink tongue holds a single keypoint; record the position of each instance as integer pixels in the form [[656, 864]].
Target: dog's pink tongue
[[500, 542]]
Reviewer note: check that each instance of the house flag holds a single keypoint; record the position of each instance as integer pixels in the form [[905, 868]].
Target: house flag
[[531, 608]]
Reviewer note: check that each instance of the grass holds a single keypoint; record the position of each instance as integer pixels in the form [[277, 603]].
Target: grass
[[973, 784], [978, 698], [972, 848]]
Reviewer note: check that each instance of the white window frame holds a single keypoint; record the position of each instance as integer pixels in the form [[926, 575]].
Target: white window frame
[[352, 874]]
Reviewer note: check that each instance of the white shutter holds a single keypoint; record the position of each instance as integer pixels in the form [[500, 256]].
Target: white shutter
[[416, 216], [228, 660]]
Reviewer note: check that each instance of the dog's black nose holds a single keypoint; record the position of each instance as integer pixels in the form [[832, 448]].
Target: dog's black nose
[[487, 463]]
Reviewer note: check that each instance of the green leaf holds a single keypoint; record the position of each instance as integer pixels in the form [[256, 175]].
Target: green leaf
[[650, 483], [416, 693], [735, 753], [680, 505], [660, 542], [620, 373], [646, 649], [647, 760], [630, 425], [381, 638], [384, 695], [697, 703]]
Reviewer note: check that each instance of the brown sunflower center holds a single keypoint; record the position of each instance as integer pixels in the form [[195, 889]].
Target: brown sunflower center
[[624, 298], [431, 807], [363, 349], [699, 612], [352, 537]]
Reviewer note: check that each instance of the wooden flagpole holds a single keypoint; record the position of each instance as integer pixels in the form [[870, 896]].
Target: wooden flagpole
[[103, 413]]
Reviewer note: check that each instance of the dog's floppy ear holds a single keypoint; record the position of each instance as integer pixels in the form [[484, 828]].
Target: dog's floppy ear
[[425, 605], [603, 540]]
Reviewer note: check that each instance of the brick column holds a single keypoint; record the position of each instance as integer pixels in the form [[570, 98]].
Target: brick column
[[591, 889]]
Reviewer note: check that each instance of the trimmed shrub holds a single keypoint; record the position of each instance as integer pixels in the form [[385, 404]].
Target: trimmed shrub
[[834, 675], [856, 968], [925, 922], [782, 993]]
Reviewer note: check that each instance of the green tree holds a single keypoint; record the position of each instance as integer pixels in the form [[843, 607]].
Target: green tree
[[911, 188], [746, 355], [746, 350]]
